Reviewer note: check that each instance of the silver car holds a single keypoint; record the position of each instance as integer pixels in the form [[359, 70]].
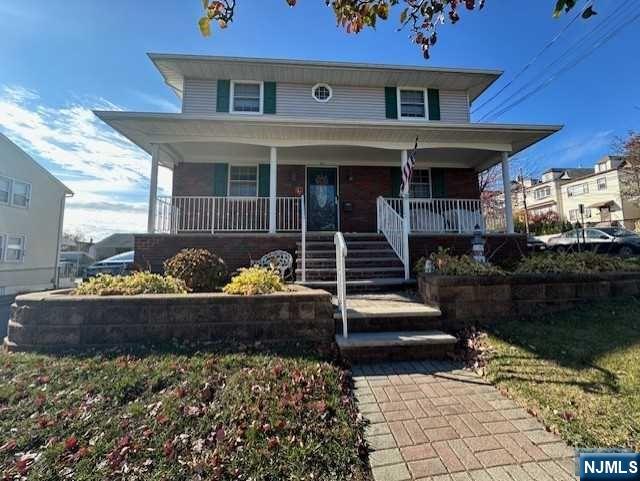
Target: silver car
[[604, 240]]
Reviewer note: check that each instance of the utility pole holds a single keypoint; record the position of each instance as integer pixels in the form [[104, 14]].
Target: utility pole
[[524, 201]]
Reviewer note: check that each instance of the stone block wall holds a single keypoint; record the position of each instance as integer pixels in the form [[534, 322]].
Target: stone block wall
[[487, 299], [57, 320]]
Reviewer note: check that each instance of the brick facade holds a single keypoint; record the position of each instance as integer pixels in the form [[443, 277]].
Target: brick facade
[[359, 189]]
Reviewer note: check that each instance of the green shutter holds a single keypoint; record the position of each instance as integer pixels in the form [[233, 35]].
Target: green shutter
[[220, 176], [396, 181], [269, 106], [438, 184], [224, 91], [391, 102], [434, 104], [263, 180]]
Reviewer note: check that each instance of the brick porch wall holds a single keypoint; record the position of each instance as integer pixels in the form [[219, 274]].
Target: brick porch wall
[[237, 250], [360, 187]]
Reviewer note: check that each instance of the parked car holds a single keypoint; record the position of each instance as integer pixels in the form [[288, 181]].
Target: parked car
[[605, 240], [115, 265], [535, 245]]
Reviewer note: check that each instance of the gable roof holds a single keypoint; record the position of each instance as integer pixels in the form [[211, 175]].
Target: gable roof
[[36, 164], [176, 67]]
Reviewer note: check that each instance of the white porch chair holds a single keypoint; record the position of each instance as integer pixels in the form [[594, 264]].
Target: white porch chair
[[278, 259]]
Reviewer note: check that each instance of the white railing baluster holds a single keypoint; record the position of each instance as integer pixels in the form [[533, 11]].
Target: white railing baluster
[[341, 279], [303, 217]]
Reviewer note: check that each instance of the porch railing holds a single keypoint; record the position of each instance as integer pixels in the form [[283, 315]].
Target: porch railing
[[391, 224], [303, 215], [341, 280], [225, 214], [441, 215]]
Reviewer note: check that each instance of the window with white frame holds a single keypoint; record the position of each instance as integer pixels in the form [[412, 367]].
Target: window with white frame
[[602, 183], [246, 97], [5, 190], [420, 183], [21, 194], [412, 104], [243, 181], [542, 193], [14, 250], [322, 93], [2, 242], [573, 215], [579, 189]]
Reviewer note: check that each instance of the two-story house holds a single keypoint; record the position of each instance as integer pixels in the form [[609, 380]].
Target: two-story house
[[599, 191], [266, 151], [31, 215]]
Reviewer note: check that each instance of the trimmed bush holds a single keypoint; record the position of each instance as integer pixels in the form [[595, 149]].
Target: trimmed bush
[[131, 285], [575, 262], [200, 269], [448, 265], [255, 280]]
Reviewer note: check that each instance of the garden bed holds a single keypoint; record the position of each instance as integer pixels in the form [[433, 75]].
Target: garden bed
[[465, 299], [59, 320]]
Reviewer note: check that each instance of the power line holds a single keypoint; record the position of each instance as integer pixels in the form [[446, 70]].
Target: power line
[[499, 110], [531, 62]]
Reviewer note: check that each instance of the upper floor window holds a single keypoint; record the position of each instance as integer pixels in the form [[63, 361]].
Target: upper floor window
[[5, 189], [243, 181], [14, 192], [412, 104], [542, 193], [420, 183], [579, 189], [322, 92], [14, 250], [246, 97], [602, 183]]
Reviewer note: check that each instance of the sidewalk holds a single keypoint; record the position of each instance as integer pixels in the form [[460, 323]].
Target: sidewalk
[[434, 421]]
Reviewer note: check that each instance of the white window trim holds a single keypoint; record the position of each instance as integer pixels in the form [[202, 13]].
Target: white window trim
[[231, 96], [426, 104], [6, 248], [3, 244], [430, 183], [327, 86], [545, 189], [243, 196], [12, 181], [604, 185]]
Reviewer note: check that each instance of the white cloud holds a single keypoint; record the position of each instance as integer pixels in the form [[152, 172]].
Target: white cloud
[[108, 174]]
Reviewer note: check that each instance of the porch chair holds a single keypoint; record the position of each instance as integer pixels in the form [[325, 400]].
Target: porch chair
[[280, 260]]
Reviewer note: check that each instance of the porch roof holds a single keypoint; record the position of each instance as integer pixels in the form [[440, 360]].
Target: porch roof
[[146, 129], [176, 67]]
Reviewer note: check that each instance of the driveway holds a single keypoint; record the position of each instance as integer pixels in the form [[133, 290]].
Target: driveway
[[434, 421], [5, 306]]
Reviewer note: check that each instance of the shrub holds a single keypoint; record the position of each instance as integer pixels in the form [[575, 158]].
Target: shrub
[[201, 270], [448, 265], [255, 280], [131, 285], [575, 262]]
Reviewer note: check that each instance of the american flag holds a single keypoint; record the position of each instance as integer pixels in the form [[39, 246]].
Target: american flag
[[407, 170]]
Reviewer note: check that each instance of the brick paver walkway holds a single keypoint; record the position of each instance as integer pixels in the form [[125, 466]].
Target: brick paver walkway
[[434, 421]]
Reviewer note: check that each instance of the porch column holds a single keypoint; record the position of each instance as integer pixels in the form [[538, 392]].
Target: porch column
[[506, 182], [273, 185], [153, 189], [406, 221]]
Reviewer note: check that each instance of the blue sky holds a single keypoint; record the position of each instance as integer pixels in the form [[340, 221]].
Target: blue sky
[[60, 58]]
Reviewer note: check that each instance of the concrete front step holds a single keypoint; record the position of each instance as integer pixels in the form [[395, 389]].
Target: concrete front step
[[363, 285], [352, 254], [353, 273], [387, 261], [395, 345], [327, 245]]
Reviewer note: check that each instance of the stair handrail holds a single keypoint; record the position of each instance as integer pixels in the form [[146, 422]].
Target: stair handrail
[[395, 228], [341, 279], [303, 229]]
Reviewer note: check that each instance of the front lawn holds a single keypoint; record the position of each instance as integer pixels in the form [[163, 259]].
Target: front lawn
[[579, 371], [177, 416]]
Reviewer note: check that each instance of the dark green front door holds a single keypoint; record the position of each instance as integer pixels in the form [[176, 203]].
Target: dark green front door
[[322, 199]]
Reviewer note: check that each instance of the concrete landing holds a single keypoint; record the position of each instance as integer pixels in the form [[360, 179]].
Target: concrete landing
[[390, 305], [390, 339]]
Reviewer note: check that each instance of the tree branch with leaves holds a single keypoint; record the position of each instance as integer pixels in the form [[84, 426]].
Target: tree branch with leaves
[[421, 17]]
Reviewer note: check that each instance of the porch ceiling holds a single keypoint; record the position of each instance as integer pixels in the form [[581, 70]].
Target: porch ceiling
[[146, 129]]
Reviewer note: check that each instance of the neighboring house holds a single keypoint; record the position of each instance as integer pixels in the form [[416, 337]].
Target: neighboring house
[[31, 214], [256, 135], [599, 192], [111, 245]]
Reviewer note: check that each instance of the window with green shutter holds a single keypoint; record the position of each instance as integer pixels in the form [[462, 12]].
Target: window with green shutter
[[439, 186], [264, 180], [269, 106], [220, 177], [396, 181], [391, 102], [434, 104], [222, 98]]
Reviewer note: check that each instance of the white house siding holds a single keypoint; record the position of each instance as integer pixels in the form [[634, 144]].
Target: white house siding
[[295, 100], [199, 97], [40, 223]]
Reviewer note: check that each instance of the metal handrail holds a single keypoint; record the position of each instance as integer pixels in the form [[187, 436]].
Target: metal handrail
[[341, 279], [395, 229], [303, 219]]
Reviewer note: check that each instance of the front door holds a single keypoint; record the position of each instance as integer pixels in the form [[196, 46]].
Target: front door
[[322, 198]]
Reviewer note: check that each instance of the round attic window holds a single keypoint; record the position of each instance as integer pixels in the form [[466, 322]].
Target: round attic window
[[322, 92]]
